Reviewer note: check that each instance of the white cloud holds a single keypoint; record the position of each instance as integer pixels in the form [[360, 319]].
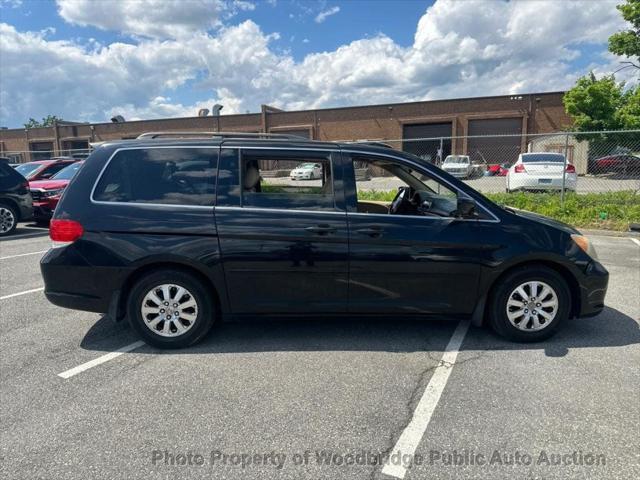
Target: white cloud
[[151, 18], [460, 49], [322, 16]]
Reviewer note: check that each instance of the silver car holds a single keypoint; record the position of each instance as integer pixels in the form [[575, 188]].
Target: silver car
[[461, 166]]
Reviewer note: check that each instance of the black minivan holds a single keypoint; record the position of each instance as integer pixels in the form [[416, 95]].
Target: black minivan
[[178, 232]]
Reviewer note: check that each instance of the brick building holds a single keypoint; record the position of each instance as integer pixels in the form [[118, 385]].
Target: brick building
[[453, 120]]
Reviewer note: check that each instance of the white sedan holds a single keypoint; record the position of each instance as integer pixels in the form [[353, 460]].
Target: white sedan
[[306, 171], [541, 171]]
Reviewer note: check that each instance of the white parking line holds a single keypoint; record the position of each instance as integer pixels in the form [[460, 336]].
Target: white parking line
[[413, 432], [44, 233], [22, 255], [22, 293], [100, 360], [635, 240]]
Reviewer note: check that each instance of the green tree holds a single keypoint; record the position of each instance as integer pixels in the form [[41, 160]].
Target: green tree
[[47, 121], [629, 113], [627, 42], [594, 104]]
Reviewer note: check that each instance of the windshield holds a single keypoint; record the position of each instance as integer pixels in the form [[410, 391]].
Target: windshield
[[67, 173], [306, 166], [27, 168], [456, 159], [543, 157]]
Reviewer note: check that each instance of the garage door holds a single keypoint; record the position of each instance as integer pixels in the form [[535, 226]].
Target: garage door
[[495, 150], [427, 149]]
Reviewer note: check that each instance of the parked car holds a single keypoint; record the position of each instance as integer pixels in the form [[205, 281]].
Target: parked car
[[15, 199], [461, 166], [307, 171], [624, 163], [182, 234], [43, 169], [541, 171], [500, 170], [46, 193]]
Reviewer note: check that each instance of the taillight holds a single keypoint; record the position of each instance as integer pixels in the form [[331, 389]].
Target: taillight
[[519, 168], [570, 168], [65, 231]]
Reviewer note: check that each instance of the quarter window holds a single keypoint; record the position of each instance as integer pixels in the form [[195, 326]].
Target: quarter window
[[175, 176], [292, 183]]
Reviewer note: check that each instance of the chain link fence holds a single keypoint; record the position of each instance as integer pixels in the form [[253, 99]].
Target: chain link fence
[[589, 162], [586, 162]]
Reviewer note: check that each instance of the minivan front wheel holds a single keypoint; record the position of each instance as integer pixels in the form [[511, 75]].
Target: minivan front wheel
[[170, 309], [530, 304]]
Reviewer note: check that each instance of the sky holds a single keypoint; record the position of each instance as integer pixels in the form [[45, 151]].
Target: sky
[[87, 60]]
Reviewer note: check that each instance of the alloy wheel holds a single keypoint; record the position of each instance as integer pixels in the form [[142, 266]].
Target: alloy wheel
[[169, 310], [532, 306], [7, 220]]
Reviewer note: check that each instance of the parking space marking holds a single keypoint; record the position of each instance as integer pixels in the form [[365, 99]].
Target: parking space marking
[[414, 431], [22, 293], [22, 255], [25, 235], [97, 361], [635, 240]]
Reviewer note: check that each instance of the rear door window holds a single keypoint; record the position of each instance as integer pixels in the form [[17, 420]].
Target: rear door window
[[287, 181], [174, 176]]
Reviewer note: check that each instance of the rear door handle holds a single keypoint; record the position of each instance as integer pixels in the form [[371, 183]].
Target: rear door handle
[[321, 229], [372, 232]]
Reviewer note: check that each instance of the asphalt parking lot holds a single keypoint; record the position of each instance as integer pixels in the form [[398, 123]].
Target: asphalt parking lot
[[303, 399]]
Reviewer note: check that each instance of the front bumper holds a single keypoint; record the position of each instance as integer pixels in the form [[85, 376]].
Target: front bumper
[[458, 173], [593, 289]]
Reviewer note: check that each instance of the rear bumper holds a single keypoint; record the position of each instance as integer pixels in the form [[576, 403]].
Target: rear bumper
[[527, 182], [593, 290], [78, 301], [71, 281]]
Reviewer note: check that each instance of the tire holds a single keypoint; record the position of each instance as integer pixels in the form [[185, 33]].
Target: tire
[[8, 219], [550, 284], [195, 316]]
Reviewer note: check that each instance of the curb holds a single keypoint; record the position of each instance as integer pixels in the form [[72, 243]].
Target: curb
[[609, 233]]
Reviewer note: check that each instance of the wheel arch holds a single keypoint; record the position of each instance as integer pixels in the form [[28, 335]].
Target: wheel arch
[[119, 302], [11, 203], [572, 283]]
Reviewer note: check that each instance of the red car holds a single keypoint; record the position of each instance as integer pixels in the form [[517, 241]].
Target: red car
[[43, 169], [624, 163], [46, 193], [498, 170]]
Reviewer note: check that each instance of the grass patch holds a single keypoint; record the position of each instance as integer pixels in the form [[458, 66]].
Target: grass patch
[[611, 210]]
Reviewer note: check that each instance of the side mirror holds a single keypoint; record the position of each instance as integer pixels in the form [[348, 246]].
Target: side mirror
[[466, 208]]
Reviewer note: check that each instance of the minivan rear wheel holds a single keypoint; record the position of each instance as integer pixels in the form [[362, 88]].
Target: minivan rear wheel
[[529, 304], [170, 309]]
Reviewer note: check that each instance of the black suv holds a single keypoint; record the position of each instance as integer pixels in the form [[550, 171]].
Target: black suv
[[177, 233], [16, 203]]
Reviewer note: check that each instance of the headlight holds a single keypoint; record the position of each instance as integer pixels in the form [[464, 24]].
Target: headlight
[[585, 244], [52, 193]]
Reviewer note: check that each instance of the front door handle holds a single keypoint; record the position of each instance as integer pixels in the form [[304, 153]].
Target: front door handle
[[372, 232], [321, 229]]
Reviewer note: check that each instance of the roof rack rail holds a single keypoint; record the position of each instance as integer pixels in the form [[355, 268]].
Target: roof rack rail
[[372, 143], [221, 135]]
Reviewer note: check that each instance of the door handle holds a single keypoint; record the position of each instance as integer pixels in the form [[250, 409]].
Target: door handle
[[321, 229], [372, 232]]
